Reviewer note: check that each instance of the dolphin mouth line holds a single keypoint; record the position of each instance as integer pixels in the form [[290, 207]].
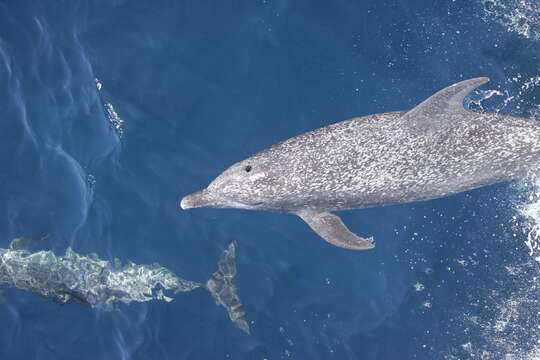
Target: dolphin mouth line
[[203, 199]]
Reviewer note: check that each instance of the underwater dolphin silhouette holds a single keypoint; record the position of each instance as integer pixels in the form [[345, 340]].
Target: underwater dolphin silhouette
[[102, 284], [434, 150]]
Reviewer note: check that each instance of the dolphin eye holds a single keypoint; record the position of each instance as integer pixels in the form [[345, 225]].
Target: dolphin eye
[[247, 168]]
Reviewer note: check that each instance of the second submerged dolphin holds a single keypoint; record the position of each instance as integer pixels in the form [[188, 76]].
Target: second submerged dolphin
[[98, 283], [434, 150]]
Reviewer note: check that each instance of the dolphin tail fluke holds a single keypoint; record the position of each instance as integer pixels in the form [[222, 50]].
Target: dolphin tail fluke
[[223, 289]]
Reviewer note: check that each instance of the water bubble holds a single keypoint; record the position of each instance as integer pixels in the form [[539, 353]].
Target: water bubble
[[419, 287]]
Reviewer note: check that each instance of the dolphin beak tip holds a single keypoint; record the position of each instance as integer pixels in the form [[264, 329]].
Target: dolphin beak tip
[[187, 202], [193, 201], [184, 204]]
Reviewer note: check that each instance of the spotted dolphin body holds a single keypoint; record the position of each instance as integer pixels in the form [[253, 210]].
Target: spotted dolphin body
[[434, 150]]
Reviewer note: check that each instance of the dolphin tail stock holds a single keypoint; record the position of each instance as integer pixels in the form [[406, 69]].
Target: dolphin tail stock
[[222, 287]]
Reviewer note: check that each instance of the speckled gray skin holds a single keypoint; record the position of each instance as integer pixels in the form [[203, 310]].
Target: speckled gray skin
[[435, 150]]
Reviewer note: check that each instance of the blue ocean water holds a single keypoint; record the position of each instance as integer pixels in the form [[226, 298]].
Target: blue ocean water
[[113, 110]]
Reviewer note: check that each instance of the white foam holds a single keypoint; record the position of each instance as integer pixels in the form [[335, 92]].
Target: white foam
[[521, 17], [507, 324], [529, 211], [115, 121]]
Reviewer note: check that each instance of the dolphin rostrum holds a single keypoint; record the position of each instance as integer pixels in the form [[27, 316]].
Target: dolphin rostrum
[[434, 150]]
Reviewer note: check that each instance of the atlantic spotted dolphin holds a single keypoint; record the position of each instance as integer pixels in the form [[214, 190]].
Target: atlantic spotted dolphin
[[437, 149], [99, 283]]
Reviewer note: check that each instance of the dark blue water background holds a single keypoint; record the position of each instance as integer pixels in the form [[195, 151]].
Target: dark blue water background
[[199, 86]]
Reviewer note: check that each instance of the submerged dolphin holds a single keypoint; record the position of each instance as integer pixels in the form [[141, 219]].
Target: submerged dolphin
[[434, 150], [99, 283]]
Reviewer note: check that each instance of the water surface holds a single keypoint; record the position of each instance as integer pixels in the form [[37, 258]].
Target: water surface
[[113, 110]]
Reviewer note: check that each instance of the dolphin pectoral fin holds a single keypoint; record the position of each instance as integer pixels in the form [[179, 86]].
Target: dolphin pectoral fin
[[332, 229], [444, 105]]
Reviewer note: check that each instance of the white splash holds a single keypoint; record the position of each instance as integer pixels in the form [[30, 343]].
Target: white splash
[[500, 101], [521, 17], [531, 212], [418, 286], [503, 321], [115, 121], [99, 84]]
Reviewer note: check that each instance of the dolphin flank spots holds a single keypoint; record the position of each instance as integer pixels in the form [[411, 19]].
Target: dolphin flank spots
[[434, 150]]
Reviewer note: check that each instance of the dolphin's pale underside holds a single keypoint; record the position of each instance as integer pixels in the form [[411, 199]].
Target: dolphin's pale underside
[[437, 149]]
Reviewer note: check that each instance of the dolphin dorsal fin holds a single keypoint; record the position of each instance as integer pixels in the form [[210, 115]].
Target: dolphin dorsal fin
[[444, 104]]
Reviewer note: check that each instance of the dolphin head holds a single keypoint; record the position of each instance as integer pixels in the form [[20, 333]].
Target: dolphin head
[[247, 184]]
